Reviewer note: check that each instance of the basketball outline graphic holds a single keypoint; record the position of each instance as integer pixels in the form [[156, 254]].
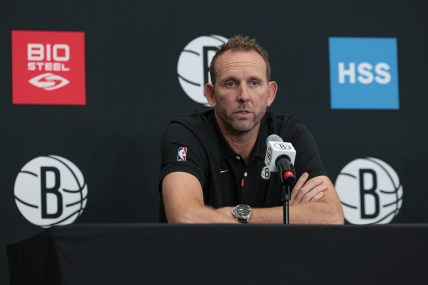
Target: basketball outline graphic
[[387, 191], [190, 66], [68, 200]]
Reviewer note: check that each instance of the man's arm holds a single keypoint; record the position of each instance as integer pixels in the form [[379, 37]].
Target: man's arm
[[184, 203], [312, 202], [327, 210]]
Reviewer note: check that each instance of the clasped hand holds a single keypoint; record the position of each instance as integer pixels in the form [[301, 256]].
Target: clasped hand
[[307, 190]]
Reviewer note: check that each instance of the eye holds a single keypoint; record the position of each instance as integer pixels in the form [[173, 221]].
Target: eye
[[254, 83], [230, 84]]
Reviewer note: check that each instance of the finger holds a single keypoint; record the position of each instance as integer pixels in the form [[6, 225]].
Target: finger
[[308, 187], [302, 180], [311, 194], [318, 196]]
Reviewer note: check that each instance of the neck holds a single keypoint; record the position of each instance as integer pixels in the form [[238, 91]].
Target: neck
[[241, 143]]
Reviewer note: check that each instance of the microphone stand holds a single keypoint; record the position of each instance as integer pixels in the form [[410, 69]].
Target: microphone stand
[[288, 176], [285, 199]]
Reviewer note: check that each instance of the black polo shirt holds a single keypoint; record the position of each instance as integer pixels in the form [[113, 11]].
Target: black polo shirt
[[195, 145]]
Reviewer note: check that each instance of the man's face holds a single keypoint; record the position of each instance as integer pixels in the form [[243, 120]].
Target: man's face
[[241, 93]]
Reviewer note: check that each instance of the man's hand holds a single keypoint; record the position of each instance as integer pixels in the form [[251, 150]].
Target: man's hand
[[305, 191]]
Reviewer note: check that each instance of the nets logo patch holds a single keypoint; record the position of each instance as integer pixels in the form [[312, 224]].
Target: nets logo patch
[[370, 191], [182, 154], [364, 73], [50, 190], [193, 66], [265, 174], [48, 68]]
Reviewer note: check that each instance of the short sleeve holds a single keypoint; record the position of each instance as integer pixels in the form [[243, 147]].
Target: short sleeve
[[181, 151]]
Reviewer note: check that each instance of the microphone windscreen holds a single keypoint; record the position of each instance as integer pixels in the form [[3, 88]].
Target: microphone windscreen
[[274, 138]]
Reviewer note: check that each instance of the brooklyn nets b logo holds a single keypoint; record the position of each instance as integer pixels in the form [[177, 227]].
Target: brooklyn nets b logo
[[194, 64], [50, 190], [370, 191]]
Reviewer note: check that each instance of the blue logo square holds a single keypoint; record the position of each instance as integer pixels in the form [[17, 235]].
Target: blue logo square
[[364, 73]]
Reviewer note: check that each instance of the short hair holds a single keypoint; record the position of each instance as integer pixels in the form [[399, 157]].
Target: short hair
[[240, 43]]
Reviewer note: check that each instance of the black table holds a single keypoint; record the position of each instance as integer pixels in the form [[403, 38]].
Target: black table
[[222, 254]]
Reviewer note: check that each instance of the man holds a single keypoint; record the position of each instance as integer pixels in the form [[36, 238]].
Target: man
[[214, 161]]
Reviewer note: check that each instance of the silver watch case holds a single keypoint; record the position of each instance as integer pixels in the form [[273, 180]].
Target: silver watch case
[[242, 213]]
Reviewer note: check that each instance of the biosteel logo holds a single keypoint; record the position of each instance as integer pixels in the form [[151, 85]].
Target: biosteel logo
[[48, 68]]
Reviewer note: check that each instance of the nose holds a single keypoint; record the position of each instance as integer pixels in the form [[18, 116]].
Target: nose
[[243, 94]]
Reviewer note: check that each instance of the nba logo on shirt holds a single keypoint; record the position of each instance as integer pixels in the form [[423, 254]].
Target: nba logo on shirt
[[182, 153]]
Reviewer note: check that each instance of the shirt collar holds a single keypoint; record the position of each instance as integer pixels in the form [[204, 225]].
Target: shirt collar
[[260, 147]]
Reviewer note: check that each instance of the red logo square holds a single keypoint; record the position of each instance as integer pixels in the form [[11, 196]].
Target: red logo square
[[48, 68]]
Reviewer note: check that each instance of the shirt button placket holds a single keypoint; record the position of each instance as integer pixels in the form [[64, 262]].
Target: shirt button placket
[[243, 186], [242, 194]]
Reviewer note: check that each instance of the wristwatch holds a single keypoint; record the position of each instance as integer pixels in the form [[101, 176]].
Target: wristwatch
[[242, 213]]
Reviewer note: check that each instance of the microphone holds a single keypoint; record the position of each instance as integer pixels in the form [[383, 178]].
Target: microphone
[[280, 157]]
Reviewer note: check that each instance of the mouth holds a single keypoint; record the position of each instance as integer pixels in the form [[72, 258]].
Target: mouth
[[243, 113]]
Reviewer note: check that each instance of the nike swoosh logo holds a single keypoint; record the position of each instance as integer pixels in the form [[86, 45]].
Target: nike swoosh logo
[[223, 171]]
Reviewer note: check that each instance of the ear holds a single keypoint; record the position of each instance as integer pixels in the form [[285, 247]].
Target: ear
[[273, 87], [209, 94]]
